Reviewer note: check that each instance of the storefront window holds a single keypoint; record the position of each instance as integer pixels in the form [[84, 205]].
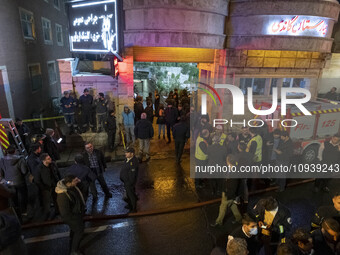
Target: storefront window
[[273, 84], [258, 85], [295, 83]]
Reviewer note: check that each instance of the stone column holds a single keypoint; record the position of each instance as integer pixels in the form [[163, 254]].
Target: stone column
[[65, 72]]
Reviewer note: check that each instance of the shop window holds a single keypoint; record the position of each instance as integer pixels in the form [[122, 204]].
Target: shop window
[[258, 85], [59, 34], [27, 24], [35, 76], [47, 30], [273, 84], [52, 72]]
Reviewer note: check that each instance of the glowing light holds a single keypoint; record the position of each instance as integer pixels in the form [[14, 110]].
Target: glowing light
[[93, 27], [298, 26]]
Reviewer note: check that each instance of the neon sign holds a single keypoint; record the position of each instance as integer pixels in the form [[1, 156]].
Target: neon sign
[[93, 27], [298, 26]]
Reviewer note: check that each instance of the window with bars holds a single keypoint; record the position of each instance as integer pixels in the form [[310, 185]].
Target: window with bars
[[27, 24], [47, 30]]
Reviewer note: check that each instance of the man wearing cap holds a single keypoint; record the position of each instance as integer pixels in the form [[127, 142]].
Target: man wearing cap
[[129, 123], [128, 175], [101, 111], [68, 104], [85, 102], [144, 132]]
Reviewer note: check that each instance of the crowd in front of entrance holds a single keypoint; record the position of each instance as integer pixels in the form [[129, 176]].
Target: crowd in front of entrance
[[263, 229]]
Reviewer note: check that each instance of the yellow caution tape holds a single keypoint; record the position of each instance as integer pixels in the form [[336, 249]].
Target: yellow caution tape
[[48, 118]]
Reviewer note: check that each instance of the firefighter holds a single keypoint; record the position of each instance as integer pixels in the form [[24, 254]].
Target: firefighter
[[329, 211], [254, 146], [85, 102], [68, 104], [274, 221]]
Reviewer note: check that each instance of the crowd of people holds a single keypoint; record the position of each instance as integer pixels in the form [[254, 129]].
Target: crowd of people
[[263, 229]]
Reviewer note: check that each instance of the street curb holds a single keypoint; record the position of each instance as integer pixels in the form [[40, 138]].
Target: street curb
[[157, 211]]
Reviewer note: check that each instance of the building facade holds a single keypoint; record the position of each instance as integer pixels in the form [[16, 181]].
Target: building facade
[[34, 35]]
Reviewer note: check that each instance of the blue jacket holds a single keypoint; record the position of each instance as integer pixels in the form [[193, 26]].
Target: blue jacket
[[68, 101], [128, 118]]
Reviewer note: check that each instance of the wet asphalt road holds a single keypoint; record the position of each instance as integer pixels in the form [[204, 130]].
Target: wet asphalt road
[[162, 184]]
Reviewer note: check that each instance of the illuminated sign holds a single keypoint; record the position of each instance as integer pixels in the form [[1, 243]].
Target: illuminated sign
[[93, 26], [298, 26]]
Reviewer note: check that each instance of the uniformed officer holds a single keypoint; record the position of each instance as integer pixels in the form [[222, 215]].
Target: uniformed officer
[[254, 146], [219, 137], [274, 220], [85, 102], [129, 175], [329, 211]]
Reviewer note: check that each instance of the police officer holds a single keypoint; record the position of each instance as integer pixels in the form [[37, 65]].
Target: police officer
[[201, 153], [101, 111], [85, 102], [129, 175], [329, 211], [219, 137], [274, 220], [254, 146], [68, 104]]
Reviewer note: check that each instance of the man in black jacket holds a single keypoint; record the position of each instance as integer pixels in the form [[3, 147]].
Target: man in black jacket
[[138, 108], [72, 207], [111, 129], [13, 168], [181, 133], [144, 132], [95, 160], [326, 239], [274, 220], [47, 179], [129, 175], [86, 104], [83, 172], [171, 115], [50, 145]]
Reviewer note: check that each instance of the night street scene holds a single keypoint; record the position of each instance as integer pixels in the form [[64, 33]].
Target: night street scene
[[169, 127]]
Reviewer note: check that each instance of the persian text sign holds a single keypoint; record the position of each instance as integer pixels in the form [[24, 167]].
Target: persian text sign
[[298, 26], [93, 26]]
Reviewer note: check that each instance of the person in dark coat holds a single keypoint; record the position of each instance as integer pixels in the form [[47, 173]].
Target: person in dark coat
[[86, 104], [83, 172], [47, 179], [149, 111], [33, 163], [50, 145], [95, 160], [129, 175], [23, 131], [144, 132], [6, 192], [181, 134], [329, 153], [249, 232], [138, 108], [68, 104], [157, 103], [303, 242], [111, 129], [284, 154], [101, 105], [171, 115], [274, 220], [326, 239], [72, 208], [332, 95], [13, 168]]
